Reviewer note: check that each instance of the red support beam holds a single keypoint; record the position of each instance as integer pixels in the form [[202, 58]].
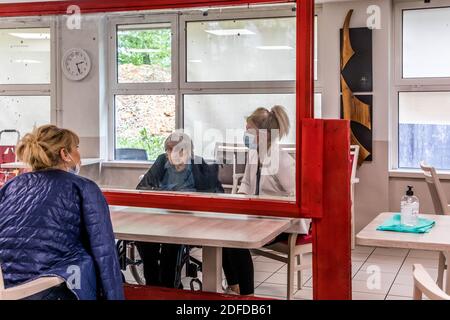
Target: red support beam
[[331, 233], [92, 6]]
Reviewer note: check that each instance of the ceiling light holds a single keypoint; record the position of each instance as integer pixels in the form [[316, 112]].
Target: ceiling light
[[31, 36], [274, 48], [230, 32]]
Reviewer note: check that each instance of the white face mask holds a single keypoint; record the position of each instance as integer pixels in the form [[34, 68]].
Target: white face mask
[[77, 168]]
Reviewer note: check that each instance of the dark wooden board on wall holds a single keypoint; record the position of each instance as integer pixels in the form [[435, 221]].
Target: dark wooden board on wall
[[362, 133], [358, 71]]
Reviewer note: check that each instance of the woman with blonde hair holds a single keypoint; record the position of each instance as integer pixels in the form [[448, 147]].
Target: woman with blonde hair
[[56, 223], [270, 171]]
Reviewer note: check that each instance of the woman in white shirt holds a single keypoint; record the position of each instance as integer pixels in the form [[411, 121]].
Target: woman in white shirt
[[270, 171]]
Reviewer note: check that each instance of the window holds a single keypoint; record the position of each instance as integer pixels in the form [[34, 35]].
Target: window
[[144, 53], [25, 56], [203, 116], [201, 73], [422, 86], [143, 86], [162, 62], [241, 50], [25, 78], [143, 122], [426, 43], [238, 54]]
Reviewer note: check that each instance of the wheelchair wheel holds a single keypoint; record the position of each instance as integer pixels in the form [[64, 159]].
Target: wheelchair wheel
[[136, 265]]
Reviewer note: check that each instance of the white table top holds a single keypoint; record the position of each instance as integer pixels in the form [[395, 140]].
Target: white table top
[[195, 228], [21, 165], [438, 239]]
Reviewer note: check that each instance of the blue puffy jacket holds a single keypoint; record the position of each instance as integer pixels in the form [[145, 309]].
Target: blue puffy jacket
[[54, 223]]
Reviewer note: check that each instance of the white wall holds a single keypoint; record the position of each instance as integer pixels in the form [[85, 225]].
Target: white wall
[[83, 104]]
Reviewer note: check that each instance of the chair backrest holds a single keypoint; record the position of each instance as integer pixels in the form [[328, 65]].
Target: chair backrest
[[424, 285], [438, 196], [28, 289], [131, 154], [354, 155]]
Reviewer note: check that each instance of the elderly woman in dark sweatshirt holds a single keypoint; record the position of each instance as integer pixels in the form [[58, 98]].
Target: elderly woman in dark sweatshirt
[[178, 169]]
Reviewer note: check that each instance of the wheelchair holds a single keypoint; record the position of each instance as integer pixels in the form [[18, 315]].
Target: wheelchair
[[129, 256]]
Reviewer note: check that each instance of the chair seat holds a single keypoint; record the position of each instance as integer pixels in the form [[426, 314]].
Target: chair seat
[[302, 239]]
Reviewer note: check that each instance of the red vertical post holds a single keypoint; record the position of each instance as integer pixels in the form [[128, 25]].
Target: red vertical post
[[331, 233]]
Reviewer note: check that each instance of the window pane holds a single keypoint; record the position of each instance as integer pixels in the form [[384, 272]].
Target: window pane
[[426, 43], [212, 119], [317, 105], [241, 50], [25, 56], [144, 53], [424, 129], [22, 114], [142, 124]]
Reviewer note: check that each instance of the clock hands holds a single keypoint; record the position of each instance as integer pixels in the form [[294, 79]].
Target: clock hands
[[78, 67]]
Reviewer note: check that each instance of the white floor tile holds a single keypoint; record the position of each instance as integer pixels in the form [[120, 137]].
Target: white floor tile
[[386, 278], [367, 296], [365, 287], [391, 252], [384, 267], [391, 297], [281, 278], [394, 260], [261, 276], [360, 256], [423, 254], [267, 266], [270, 289], [401, 290], [363, 249], [304, 294], [430, 263]]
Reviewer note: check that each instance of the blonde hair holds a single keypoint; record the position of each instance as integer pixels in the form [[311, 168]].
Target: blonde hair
[[275, 119], [41, 148]]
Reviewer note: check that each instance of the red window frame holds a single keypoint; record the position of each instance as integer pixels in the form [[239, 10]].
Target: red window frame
[[323, 171]]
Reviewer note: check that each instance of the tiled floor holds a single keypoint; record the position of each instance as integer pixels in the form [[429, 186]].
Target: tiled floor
[[378, 274]]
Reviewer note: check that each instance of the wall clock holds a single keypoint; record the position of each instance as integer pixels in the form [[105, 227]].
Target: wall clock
[[76, 64]]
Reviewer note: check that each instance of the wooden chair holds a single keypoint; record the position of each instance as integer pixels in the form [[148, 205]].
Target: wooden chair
[[440, 205], [291, 251], [27, 289], [354, 154], [234, 155], [424, 285]]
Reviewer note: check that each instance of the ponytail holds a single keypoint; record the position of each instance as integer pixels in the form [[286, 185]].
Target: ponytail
[[41, 148]]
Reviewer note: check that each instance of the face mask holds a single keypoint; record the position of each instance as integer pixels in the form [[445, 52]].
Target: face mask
[[250, 141], [77, 168]]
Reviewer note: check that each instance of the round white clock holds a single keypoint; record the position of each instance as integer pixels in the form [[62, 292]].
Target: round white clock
[[76, 64]]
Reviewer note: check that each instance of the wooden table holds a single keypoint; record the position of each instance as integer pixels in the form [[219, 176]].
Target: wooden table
[[438, 239], [212, 231]]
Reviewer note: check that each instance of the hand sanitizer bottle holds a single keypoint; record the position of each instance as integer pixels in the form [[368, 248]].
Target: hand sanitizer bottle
[[409, 208]]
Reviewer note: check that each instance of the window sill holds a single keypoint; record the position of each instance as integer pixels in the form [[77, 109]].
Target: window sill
[[416, 174], [127, 164]]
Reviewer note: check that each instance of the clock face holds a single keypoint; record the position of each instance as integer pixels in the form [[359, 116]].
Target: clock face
[[76, 64]]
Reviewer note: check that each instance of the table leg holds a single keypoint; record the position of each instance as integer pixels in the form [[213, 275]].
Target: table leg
[[447, 263], [212, 269]]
